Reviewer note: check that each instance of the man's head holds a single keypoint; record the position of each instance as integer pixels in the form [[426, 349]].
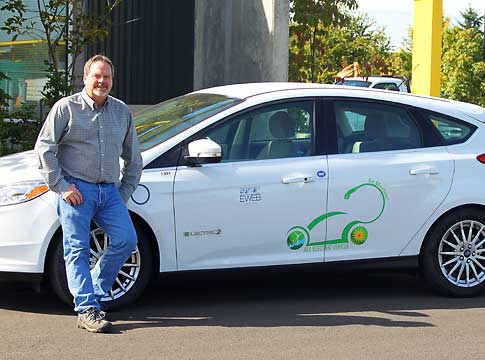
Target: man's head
[[98, 78]]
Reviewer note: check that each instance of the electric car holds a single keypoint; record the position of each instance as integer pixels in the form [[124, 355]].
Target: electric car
[[274, 174]]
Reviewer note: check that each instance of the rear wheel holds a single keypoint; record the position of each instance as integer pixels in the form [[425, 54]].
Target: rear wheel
[[453, 256], [130, 282]]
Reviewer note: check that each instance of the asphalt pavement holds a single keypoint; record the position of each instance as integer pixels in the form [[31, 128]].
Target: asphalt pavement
[[282, 314]]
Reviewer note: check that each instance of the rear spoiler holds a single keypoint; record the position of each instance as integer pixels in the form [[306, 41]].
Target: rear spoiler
[[475, 111]]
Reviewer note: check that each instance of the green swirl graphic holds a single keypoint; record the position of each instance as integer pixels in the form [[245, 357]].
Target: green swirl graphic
[[299, 235]]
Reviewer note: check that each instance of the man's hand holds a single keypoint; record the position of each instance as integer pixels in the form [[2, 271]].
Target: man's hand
[[72, 195]]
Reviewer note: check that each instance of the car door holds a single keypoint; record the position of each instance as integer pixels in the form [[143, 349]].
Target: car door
[[386, 179], [247, 209]]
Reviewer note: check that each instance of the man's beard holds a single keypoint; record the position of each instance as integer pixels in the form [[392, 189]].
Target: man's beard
[[100, 91]]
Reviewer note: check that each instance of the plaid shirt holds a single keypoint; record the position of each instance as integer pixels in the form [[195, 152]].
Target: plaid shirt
[[86, 143]]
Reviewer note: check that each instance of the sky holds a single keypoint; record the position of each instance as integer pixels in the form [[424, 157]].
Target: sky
[[397, 15]]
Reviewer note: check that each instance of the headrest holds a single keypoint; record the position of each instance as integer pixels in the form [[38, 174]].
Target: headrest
[[374, 126], [281, 126]]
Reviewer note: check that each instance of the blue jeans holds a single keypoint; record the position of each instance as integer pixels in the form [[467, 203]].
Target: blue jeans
[[103, 204]]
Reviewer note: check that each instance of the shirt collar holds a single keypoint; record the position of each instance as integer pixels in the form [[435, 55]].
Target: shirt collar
[[90, 102]]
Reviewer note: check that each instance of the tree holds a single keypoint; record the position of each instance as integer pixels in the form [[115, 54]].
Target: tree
[[336, 45], [462, 64], [58, 23], [462, 67], [310, 21], [402, 60], [471, 19]]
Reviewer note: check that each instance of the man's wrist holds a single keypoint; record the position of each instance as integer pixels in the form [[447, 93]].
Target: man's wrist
[[61, 186], [124, 192]]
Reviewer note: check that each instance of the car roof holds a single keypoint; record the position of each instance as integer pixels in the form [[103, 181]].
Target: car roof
[[245, 91]]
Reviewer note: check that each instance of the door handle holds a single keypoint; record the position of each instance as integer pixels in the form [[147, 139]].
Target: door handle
[[297, 179], [424, 171]]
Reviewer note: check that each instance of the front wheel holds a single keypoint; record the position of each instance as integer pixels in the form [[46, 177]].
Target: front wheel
[[130, 282], [453, 256]]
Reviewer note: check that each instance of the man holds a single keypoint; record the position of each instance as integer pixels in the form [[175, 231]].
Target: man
[[78, 149]]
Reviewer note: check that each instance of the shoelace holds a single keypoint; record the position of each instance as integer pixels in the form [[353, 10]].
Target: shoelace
[[96, 315]]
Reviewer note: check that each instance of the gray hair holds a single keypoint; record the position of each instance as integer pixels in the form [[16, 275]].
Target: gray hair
[[98, 57]]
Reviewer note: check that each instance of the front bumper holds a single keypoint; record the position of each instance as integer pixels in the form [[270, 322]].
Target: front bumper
[[26, 230]]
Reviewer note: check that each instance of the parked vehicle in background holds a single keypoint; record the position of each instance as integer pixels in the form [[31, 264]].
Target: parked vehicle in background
[[350, 76], [393, 83], [280, 174]]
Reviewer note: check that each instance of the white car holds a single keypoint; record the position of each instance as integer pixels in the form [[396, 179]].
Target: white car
[[275, 174], [378, 82]]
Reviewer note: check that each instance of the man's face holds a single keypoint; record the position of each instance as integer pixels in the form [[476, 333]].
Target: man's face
[[98, 81]]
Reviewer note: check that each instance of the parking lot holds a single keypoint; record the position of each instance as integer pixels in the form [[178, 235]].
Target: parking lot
[[278, 314]]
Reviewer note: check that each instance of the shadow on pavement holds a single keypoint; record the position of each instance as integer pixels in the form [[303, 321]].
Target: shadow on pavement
[[265, 298]]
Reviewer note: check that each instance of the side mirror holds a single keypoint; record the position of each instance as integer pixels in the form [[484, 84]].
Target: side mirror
[[204, 151]]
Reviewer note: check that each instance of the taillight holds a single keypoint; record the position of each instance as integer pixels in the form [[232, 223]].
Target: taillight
[[481, 158]]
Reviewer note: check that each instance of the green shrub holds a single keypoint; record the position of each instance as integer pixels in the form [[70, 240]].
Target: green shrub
[[18, 128]]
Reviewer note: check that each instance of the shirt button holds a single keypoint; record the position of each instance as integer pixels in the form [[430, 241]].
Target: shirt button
[[101, 140]]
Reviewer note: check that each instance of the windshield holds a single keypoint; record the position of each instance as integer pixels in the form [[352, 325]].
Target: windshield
[[160, 122], [359, 83]]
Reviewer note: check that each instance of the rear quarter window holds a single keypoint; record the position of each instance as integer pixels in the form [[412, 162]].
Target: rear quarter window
[[452, 131]]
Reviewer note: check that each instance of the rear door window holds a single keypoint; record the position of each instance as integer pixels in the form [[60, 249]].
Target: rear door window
[[369, 127]]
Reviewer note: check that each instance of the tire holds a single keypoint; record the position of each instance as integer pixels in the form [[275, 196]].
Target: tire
[[131, 281], [453, 255]]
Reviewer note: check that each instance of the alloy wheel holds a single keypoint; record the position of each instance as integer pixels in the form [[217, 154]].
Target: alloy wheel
[[129, 272], [461, 254]]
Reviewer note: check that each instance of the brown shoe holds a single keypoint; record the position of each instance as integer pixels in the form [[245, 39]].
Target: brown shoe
[[93, 320]]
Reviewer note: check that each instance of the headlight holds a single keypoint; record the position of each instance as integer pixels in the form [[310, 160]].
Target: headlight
[[21, 191]]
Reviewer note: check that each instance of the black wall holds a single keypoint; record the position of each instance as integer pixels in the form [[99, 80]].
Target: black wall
[[151, 44]]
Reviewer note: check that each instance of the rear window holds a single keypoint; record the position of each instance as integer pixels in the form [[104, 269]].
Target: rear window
[[452, 131], [386, 86], [358, 83]]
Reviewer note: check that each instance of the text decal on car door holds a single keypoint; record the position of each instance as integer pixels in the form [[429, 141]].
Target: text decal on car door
[[249, 194]]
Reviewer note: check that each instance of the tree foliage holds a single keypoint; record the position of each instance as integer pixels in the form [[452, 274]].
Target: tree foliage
[[462, 65], [471, 19], [325, 37], [18, 129], [311, 21]]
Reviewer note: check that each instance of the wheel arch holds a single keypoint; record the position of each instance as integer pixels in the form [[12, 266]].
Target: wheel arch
[[137, 220], [57, 236], [478, 207], [147, 230]]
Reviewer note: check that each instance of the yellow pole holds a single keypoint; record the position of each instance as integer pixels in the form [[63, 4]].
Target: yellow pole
[[427, 47]]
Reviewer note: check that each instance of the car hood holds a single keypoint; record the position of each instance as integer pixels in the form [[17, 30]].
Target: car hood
[[19, 167]]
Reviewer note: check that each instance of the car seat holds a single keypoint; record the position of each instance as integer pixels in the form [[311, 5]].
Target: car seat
[[375, 135], [281, 128]]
